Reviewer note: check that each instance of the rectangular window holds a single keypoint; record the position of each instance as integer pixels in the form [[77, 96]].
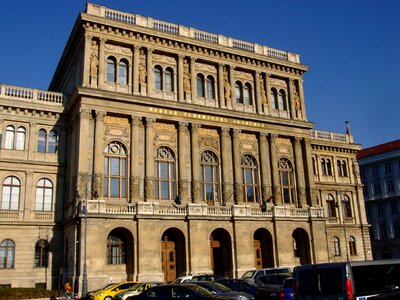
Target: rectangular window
[[393, 207], [389, 186], [375, 171], [377, 188], [388, 168]]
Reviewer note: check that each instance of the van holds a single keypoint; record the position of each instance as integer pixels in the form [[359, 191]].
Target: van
[[252, 274], [346, 280]]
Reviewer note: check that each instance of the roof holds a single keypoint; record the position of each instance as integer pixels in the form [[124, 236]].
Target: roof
[[382, 148]]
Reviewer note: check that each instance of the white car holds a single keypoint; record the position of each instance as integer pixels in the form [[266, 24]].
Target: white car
[[182, 279], [137, 289]]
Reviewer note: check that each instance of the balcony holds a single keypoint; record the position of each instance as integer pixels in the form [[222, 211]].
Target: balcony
[[156, 209]]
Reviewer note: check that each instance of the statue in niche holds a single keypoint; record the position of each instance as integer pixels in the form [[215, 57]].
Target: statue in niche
[[142, 67], [297, 102], [94, 65], [227, 86], [186, 76], [262, 91]]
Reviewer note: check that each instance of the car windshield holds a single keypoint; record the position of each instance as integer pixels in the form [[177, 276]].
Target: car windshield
[[220, 287], [136, 286], [176, 281], [200, 290], [248, 274]]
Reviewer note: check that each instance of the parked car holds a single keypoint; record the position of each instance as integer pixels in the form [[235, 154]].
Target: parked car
[[249, 287], [89, 294], [109, 292], [182, 279], [220, 289], [252, 274], [272, 281], [137, 289], [174, 291], [348, 280], [207, 277], [286, 291]]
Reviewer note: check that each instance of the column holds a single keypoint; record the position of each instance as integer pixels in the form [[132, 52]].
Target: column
[[135, 163], [265, 167], [193, 79], [257, 92], [310, 173], [275, 172], [98, 172], [102, 62], [301, 92], [299, 167], [150, 74], [226, 154], [183, 181], [291, 99], [221, 93], [237, 167], [135, 75], [268, 93], [86, 58], [233, 88], [149, 168], [195, 164], [181, 94]]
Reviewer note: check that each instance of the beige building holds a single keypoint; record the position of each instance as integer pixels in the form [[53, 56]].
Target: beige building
[[173, 138]]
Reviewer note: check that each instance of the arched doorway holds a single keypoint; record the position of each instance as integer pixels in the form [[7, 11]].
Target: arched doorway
[[221, 253], [173, 254], [120, 249], [301, 247], [263, 249]]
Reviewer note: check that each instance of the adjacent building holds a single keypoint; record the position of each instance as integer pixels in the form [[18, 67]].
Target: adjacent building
[[380, 175], [161, 150]]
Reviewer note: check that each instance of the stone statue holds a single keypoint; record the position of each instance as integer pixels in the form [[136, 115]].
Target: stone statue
[[186, 76], [142, 68], [227, 86], [94, 65]]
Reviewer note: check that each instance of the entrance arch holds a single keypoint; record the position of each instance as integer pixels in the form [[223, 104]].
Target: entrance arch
[[120, 250], [221, 253], [263, 249], [301, 246], [173, 254]]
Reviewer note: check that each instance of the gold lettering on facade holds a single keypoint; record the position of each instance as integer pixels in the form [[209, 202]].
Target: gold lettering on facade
[[116, 120]]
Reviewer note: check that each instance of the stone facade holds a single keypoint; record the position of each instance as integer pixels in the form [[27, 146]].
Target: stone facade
[[188, 152]]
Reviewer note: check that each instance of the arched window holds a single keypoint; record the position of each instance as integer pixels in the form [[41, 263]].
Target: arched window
[[329, 167], [336, 246], [11, 192], [115, 175], [274, 97], [44, 195], [210, 87], [287, 181], [169, 84], [42, 253], [247, 94], [7, 254], [200, 85], [239, 92], [331, 205], [344, 168], [111, 67], [165, 179], [158, 78], [282, 100], [42, 140], [314, 166], [10, 136], [346, 206], [250, 178], [209, 177], [116, 249], [123, 72], [52, 144], [21, 134], [352, 246]]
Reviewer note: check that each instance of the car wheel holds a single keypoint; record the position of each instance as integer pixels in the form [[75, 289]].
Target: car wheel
[[108, 298]]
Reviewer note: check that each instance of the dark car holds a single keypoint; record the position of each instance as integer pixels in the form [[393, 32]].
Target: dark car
[[220, 289], [207, 277], [174, 291], [286, 291], [272, 281], [242, 285]]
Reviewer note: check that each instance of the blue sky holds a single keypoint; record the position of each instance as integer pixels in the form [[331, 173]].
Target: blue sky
[[352, 48]]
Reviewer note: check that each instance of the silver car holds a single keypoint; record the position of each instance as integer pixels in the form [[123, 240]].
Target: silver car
[[137, 289]]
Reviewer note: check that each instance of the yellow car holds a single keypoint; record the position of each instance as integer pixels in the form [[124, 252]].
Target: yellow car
[[109, 292]]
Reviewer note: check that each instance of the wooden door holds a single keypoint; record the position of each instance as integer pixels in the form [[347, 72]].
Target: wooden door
[[257, 254], [168, 259]]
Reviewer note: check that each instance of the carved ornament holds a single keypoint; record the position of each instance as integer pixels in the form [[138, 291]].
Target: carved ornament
[[116, 120], [208, 132]]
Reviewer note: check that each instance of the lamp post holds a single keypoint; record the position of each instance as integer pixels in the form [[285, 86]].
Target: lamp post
[[84, 275]]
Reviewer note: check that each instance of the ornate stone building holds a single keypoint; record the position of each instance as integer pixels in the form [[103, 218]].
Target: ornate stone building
[[163, 150]]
